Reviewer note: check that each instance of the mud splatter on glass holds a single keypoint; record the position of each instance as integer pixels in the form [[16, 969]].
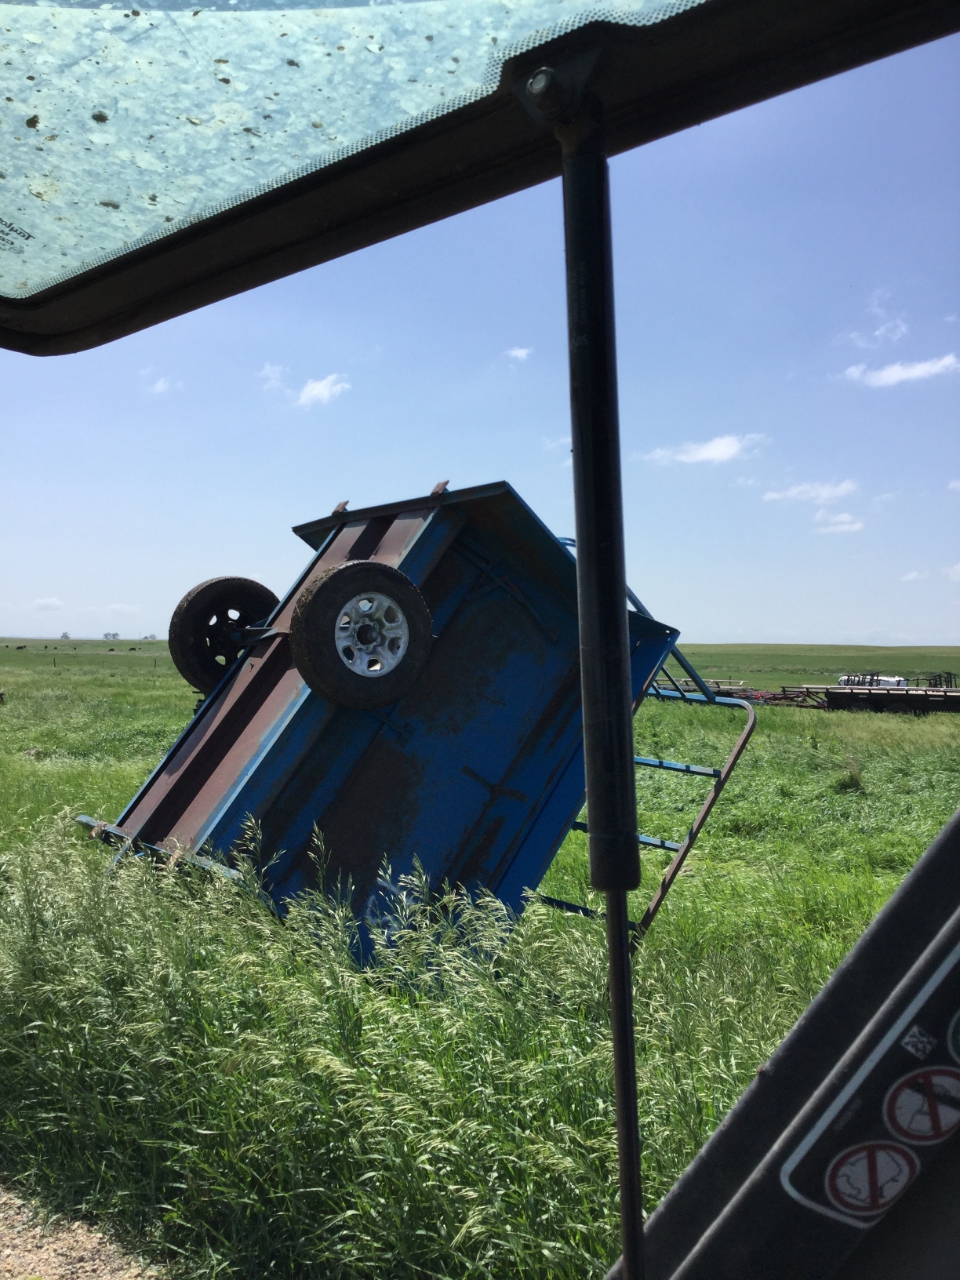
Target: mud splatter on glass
[[118, 126]]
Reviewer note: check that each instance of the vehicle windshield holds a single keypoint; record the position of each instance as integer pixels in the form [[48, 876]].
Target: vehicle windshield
[[121, 125]]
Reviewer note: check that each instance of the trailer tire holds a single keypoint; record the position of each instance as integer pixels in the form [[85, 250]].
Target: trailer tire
[[360, 634], [204, 622]]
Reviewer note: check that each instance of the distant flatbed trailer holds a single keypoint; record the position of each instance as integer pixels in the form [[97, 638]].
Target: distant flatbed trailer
[[918, 699]]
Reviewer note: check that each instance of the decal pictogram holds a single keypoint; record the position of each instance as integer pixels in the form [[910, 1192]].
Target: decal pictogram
[[924, 1107], [866, 1180]]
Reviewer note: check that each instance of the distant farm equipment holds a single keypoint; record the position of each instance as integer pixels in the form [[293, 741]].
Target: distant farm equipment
[[873, 680], [863, 691], [939, 693]]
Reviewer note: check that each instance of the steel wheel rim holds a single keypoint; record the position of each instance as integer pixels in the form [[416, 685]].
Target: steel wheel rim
[[219, 630], [371, 634]]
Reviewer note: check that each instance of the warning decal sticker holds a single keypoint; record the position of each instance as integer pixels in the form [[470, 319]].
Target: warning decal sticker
[[866, 1147], [924, 1107], [867, 1179]]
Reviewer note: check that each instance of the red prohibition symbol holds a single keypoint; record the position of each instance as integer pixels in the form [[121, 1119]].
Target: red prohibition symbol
[[866, 1180], [924, 1107]]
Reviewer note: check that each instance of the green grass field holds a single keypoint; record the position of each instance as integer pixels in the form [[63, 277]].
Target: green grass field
[[237, 1098], [769, 666], [83, 733]]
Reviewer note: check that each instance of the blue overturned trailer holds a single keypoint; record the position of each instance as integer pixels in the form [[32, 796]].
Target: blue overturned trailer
[[414, 696]]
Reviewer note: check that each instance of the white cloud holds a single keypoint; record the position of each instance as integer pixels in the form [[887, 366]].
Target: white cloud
[[313, 391], [889, 328], [321, 390], [159, 386], [837, 522], [519, 353], [818, 493], [822, 493], [163, 385], [953, 572], [892, 374], [954, 484], [49, 604], [913, 576], [890, 331], [719, 449], [272, 375]]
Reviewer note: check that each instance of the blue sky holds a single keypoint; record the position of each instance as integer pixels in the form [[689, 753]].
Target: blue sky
[[788, 308]]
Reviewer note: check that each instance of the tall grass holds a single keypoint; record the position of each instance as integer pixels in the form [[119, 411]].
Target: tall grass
[[239, 1095], [240, 1098]]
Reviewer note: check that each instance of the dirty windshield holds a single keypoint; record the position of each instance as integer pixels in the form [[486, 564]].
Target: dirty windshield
[[121, 125]]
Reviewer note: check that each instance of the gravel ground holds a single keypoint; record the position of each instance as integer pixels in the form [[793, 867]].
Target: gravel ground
[[60, 1250]]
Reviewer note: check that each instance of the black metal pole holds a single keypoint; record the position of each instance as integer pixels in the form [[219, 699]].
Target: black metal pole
[[625, 1084], [602, 595], [601, 574]]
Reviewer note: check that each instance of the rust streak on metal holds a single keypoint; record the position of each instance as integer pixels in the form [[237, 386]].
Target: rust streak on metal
[[184, 785], [496, 789]]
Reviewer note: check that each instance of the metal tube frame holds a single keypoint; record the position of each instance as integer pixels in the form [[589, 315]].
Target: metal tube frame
[[558, 97], [722, 775], [601, 590]]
